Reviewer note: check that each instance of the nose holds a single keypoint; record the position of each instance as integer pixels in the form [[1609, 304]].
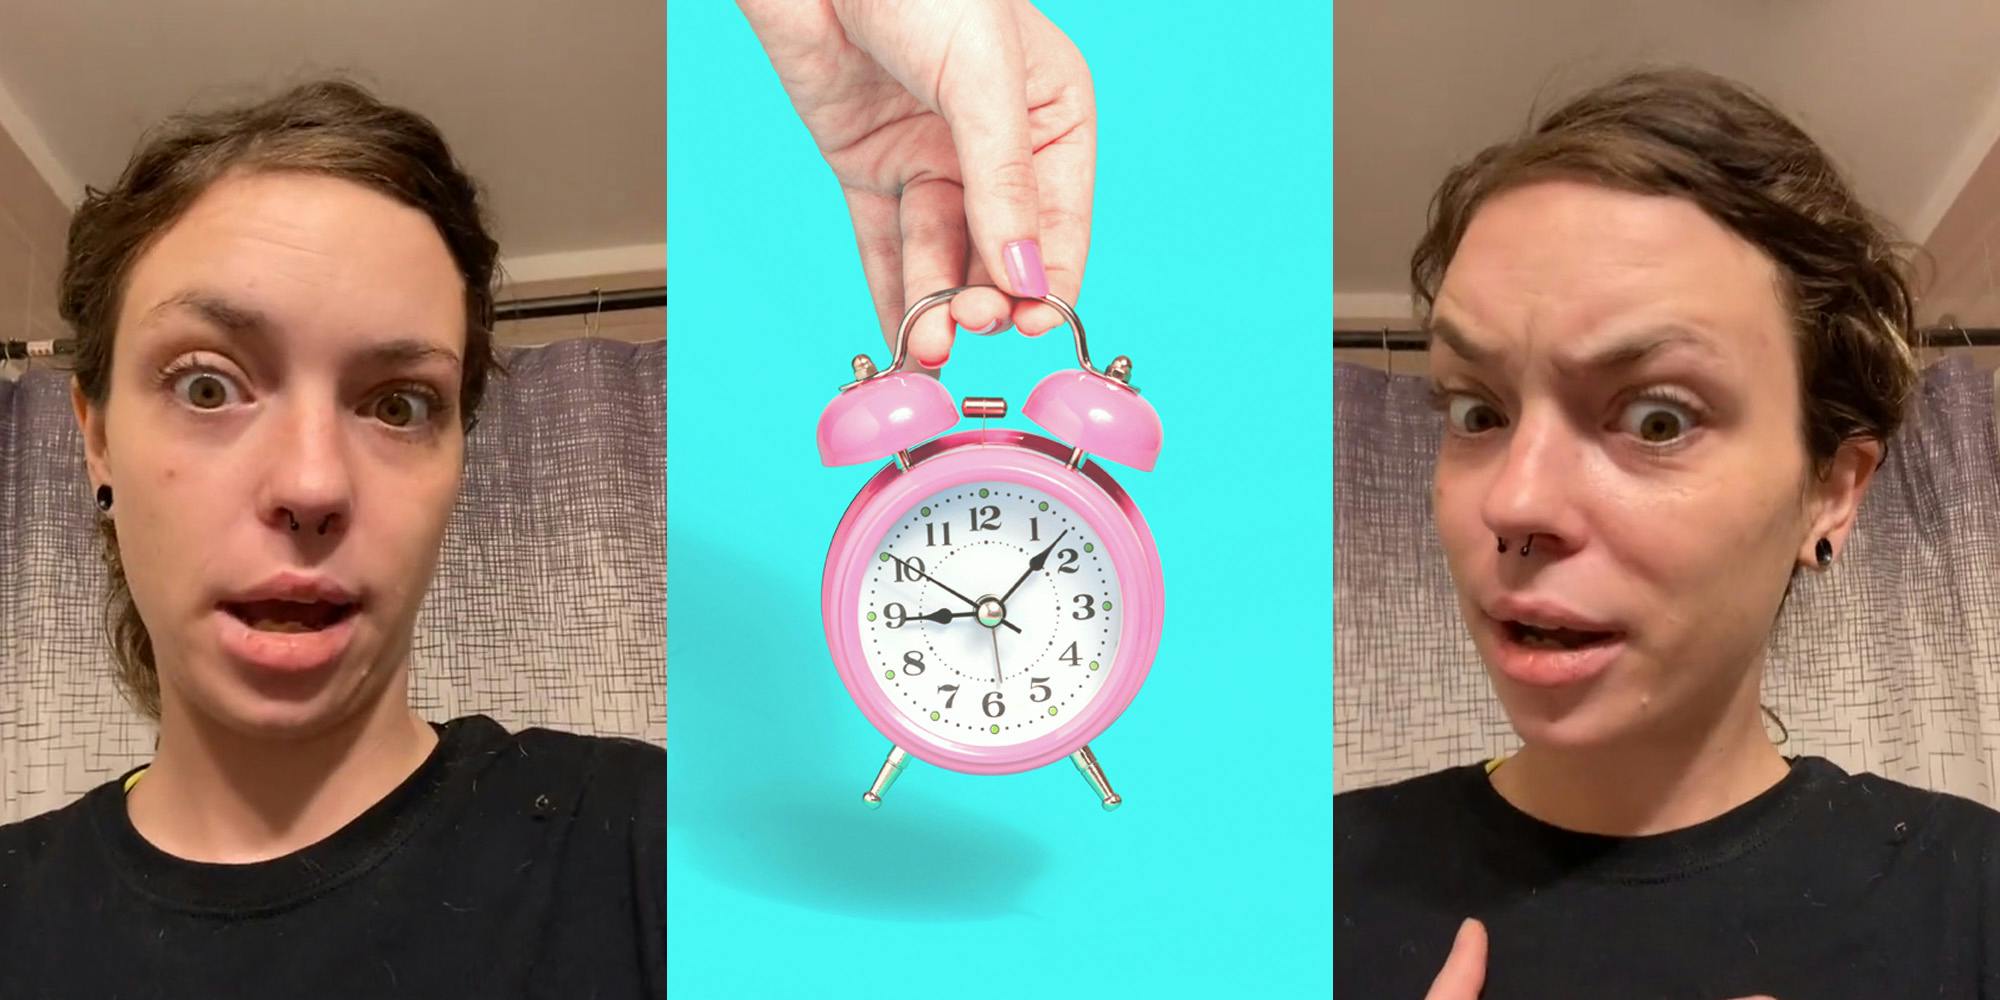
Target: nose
[[1530, 505], [307, 488]]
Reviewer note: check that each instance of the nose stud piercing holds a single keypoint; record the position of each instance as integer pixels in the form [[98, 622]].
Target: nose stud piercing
[[1525, 546], [1823, 551], [104, 498]]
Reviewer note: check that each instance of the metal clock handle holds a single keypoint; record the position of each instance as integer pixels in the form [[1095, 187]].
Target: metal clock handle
[[864, 367]]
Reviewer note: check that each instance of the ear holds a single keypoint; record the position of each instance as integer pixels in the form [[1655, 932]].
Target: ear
[[90, 421], [1836, 497]]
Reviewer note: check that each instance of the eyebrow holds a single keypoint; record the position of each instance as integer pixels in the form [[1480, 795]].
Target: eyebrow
[[245, 322], [1459, 344], [1622, 353], [1637, 347]]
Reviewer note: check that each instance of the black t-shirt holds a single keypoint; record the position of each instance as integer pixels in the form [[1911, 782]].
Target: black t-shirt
[[523, 865], [1826, 885]]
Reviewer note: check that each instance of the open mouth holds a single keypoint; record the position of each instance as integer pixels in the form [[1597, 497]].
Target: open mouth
[[1552, 637], [290, 616]]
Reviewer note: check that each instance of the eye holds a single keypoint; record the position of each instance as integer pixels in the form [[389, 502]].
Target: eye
[[403, 408], [1656, 421], [206, 390], [1472, 415]]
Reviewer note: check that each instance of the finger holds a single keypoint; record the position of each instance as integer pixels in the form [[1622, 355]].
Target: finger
[[982, 94], [933, 229], [880, 241], [1464, 969], [1065, 170], [982, 310]]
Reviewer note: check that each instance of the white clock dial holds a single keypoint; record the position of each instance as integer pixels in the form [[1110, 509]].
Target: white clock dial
[[973, 640]]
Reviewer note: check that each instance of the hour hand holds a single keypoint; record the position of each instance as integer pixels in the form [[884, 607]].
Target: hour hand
[[942, 615]]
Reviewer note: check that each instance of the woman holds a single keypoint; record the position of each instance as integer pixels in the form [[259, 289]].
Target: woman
[[283, 323], [1669, 349]]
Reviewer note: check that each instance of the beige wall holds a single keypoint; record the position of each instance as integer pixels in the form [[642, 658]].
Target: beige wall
[[34, 225]]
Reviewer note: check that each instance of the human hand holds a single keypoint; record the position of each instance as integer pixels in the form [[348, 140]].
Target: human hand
[[1464, 971], [945, 121]]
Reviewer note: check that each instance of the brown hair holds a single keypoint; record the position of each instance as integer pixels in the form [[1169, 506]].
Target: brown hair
[[332, 128], [1694, 135]]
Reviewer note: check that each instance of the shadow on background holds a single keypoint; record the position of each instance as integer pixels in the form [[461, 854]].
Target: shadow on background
[[764, 801]]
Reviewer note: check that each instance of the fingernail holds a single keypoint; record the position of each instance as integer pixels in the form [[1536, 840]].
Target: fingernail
[[1024, 269], [990, 327], [939, 363]]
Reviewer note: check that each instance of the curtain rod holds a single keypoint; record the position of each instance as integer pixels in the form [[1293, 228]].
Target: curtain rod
[[1416, 340], [584, 304]]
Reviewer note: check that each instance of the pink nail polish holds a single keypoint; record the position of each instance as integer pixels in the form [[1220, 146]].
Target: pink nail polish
[[1024, 269]]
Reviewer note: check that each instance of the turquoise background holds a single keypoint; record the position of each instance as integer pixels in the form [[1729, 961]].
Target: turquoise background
[[1210, 265]]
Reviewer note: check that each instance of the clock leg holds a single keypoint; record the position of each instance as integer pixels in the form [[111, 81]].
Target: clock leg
[[1086, 765], [891, 768]]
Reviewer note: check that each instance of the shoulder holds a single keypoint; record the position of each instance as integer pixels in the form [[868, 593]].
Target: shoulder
[[1875, 806], [1385, 812], [48, 839], [603, 766]]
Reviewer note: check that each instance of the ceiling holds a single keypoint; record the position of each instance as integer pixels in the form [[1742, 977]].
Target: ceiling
[[1906, 96], [559, 110]]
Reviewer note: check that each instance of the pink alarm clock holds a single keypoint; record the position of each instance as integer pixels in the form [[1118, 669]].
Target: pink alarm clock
[[992, 599]]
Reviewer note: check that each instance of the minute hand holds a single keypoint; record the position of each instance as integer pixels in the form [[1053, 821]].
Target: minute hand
[[906, 564], [1034, 566]]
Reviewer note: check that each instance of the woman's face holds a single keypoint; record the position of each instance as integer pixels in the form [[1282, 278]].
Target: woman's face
[[1621, 395], [288, 353]]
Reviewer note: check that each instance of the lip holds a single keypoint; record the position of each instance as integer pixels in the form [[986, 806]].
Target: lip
[[293, 586], [1540, 667], [288, 652]]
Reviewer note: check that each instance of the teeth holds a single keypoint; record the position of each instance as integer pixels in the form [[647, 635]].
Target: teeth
[[273, 625]]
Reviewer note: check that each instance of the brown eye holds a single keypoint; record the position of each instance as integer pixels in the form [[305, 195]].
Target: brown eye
[[402, 409], [204, 390], [1657, 421], [1472, 415]]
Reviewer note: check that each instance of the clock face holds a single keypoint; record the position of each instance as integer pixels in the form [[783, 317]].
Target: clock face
[[990, 614]]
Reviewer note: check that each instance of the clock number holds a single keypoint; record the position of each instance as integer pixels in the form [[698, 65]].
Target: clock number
[[1039, 684], [953, 688], [931, 534], [895, 615], [908, 569], [993, 706], [985, 518], [1085, 609], [913, 663], [1068, 563], [1034, 529], [1071, 655]]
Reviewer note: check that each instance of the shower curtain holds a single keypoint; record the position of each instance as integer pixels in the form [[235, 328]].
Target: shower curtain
[[1889, 663], [549, 607]]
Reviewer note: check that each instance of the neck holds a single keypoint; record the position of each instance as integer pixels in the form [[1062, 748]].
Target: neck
[[220, 795], [1655, 782]]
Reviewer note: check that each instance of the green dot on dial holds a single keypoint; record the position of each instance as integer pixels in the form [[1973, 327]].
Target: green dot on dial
[[885, 557], [1087, 547], [1045, 505], [1093, 664], [1052, 710], [982, 492], [994, 729], [934, 716], [1107, 605], [889, 675], [871, 616], [927, 512]]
